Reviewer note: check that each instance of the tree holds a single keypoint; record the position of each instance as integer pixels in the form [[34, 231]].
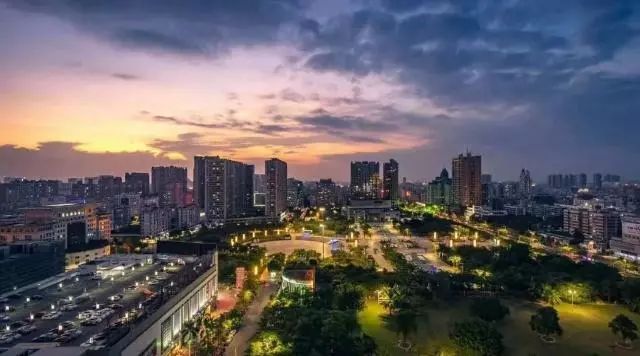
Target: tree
[[624, 327], [489, 309], [189, 334], [546, 322], [404, 322], [269, 343], [551, 294], [348, 296], [477, 336]]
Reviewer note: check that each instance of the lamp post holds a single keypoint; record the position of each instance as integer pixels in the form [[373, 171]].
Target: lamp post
[[572, 293]]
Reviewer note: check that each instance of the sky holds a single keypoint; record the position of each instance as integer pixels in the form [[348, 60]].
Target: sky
[[91, 87]]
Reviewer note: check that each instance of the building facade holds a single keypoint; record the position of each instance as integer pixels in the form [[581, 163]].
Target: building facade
[[365, 180], [276, 194], [467, 170], [439, 190], [228, 188], [390, 180], [628, 244]]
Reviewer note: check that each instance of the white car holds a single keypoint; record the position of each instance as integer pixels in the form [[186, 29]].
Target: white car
[[51, 316]]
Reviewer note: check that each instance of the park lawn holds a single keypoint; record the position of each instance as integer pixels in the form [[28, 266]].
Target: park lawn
[[586, 330]]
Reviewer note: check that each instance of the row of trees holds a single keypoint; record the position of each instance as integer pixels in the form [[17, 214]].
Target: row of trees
[[514, 270]]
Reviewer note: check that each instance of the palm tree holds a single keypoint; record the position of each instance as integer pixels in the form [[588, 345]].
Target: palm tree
[[189, 333], [625, 327], [405, 320], [551, 294]]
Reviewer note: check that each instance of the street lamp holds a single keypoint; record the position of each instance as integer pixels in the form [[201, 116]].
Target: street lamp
[[28, 299], [53, 307], [435, 236], [322, 227], [572, 293]]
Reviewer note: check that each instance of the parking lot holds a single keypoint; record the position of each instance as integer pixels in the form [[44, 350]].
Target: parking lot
[[80, 310]]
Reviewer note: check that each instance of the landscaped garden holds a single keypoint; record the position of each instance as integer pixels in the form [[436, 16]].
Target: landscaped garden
[[585, 329]]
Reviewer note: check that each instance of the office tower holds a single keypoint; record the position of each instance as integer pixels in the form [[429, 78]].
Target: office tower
[[228, 188], [484, 178], [167, 183], [390, 181], [276, 199], [525, 183], [199, 181], [439, 190], [135, 182], [260, 183], [597, 181], [582, 180], [295, 193], [467, 190], [365, 180], [326, 193]]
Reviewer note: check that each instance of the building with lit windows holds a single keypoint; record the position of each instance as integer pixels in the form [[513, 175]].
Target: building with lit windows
[[275, 171], [365, 180], [467, 188]]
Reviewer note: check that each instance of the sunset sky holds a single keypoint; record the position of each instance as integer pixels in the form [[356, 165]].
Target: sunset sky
[[101, 87]]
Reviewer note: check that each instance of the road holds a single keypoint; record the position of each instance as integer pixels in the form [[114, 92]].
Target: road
[[240, 342], [375, 250]]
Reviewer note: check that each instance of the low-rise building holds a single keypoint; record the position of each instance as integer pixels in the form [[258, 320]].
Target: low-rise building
[[35, 231]]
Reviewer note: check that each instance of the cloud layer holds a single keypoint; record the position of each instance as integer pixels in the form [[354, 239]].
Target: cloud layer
[[547, 85]]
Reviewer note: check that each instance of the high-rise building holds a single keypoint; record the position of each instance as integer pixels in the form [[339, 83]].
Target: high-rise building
[[525, 183], [326, 193], [612, 178], [276, 199], [582, 180], [295, 193], [390, 181], [467, 190], [228, 188], [166, 181], [439, 190], [365, 180], [597, 181], [485, 179], [199, 181], [135, 182]]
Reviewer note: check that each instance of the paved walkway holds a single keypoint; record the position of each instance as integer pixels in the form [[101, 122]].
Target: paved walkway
[[240, 342]]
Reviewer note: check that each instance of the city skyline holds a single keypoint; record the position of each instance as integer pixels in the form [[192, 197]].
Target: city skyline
[[318, 84]]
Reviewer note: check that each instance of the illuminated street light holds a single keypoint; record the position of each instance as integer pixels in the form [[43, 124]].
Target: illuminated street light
[[475, 243], [435, 236], [8, 328], [155, 273], [31, 316], [28, 299], [97, 306], [265, 233], [77, 279], [60, 285], [59, 327], [322, 227], [572, 293], [70, 298], [255, 270], [146, 278], [244, 236], [451, 243], [6, 308], [53, 307]]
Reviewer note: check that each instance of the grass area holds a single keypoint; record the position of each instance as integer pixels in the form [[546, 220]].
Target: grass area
[[586, 330]]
